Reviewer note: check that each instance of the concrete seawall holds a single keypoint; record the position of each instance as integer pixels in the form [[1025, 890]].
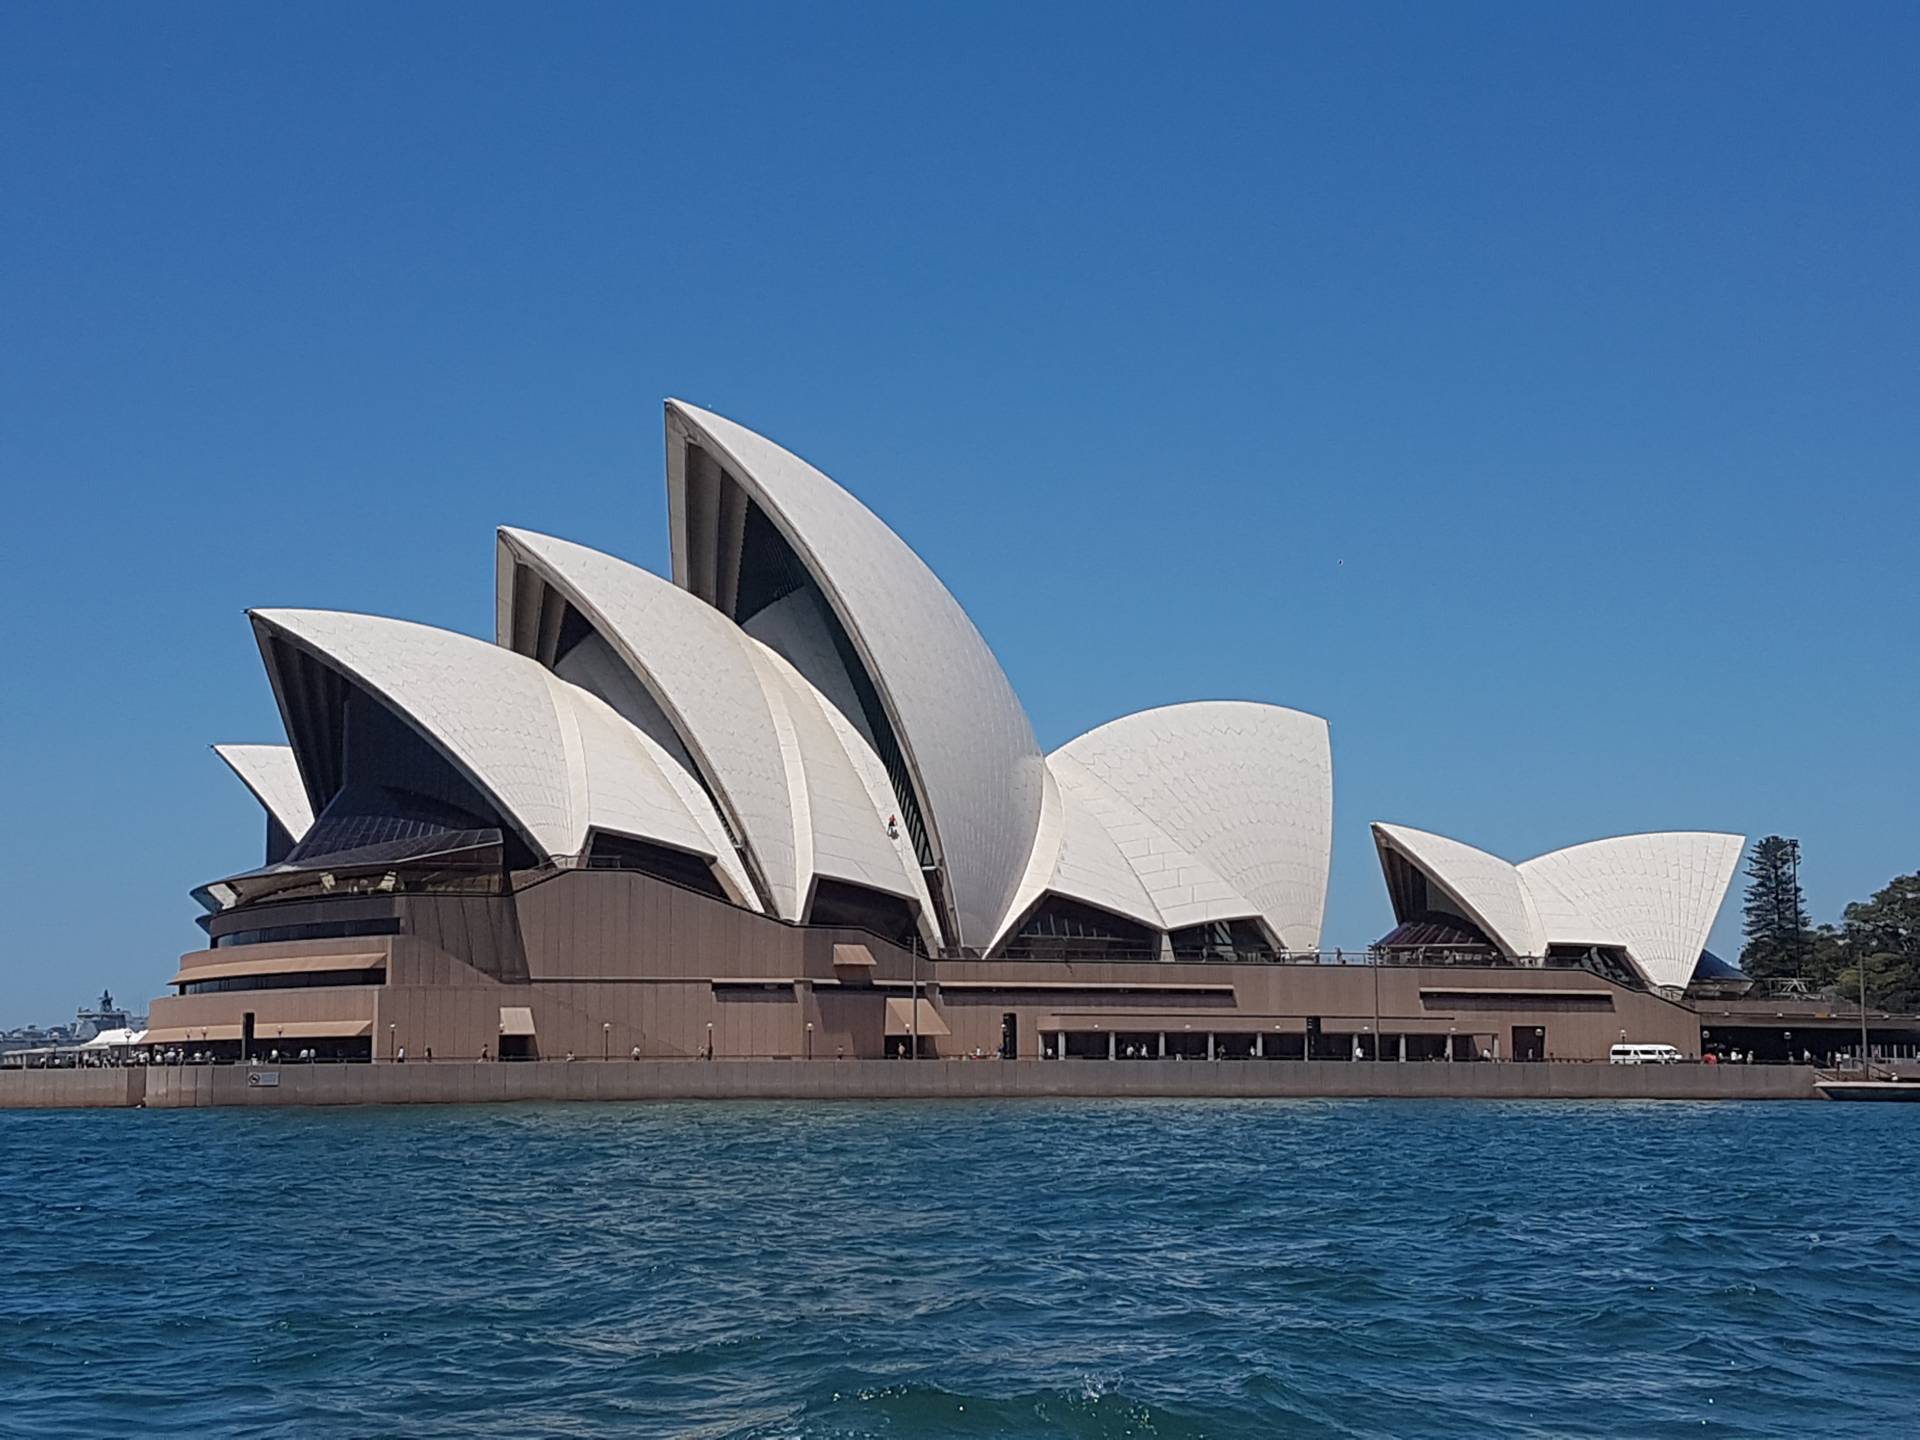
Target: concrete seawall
[[177, 1087], [72, 1089]]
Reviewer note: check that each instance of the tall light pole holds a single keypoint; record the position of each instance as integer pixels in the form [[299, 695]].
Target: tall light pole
[[606, 1039]]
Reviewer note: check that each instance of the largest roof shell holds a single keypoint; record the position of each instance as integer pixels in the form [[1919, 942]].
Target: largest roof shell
[[974, 765]]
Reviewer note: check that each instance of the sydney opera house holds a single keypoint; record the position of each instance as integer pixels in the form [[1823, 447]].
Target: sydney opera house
[[786, 803]]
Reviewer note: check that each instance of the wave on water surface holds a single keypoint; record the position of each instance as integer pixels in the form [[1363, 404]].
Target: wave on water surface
[[1096, 1269]]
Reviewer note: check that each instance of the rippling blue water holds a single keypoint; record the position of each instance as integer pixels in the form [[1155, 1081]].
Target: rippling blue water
[[1086, 1269]]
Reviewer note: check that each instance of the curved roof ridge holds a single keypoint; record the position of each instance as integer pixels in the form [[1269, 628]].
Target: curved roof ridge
[[966, 746], [846, 793], [1656, 893], [1245, 786], [558, 762], [696, 665], [1181, 886], [1488, 889]]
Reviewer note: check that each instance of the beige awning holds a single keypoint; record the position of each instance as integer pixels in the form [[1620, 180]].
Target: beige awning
[[311, 1029], [190, 1034], [278, 965], [516, 1020], [900, 1018], [853, 955]]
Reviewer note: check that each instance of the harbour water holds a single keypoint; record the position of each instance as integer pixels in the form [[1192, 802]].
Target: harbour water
[[963, 1270]]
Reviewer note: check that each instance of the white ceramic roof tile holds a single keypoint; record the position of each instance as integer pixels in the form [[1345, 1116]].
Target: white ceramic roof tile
[[789, 628], [633, 786], [488, 709], [1487, 889], [696, 666], [962, 729], [1181, 887], [1656, 894], [273, 775], [1245, 788], [557, 761], [847, 797], [1075, 856]]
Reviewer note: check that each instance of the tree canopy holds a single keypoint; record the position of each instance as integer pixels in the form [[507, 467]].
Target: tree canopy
[[1881, 934]]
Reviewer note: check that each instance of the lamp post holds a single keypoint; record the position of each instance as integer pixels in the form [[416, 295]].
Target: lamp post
[[809, 1039], [1376, 1006], [709, 1040], [606, 1039], [1450, 1030], [393, 1042]]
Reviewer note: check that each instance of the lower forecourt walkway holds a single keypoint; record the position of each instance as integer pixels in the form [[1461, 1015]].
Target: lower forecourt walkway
[[454, 1083]]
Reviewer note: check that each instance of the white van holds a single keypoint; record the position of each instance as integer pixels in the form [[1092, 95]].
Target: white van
[[1644, 1055]]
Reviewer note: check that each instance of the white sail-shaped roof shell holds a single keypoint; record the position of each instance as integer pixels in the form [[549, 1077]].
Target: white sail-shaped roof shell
[[273, 775], [797, 781], [1486, 889], [556, 760], [1656, 895], [1653, 896], [973, 763], [697, 666], [1241, 790], [1077, 854], [844, 798]]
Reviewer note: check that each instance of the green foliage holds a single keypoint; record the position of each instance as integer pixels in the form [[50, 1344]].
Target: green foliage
[[1774, 915], [1881, 935], [1884, 934]]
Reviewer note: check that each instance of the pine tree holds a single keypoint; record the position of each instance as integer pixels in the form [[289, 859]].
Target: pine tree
[[1775, 911]]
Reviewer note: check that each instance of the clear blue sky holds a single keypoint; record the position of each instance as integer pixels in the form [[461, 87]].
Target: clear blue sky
[[1530, 390]]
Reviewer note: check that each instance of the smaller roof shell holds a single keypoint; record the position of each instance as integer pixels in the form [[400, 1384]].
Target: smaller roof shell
[[1654, 896], [272, 774], [1486, 888], [1242, 788], [698, 667], [557, 761]]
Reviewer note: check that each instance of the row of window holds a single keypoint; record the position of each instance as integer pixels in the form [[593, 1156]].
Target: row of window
[[297, 980], [311, 930]]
